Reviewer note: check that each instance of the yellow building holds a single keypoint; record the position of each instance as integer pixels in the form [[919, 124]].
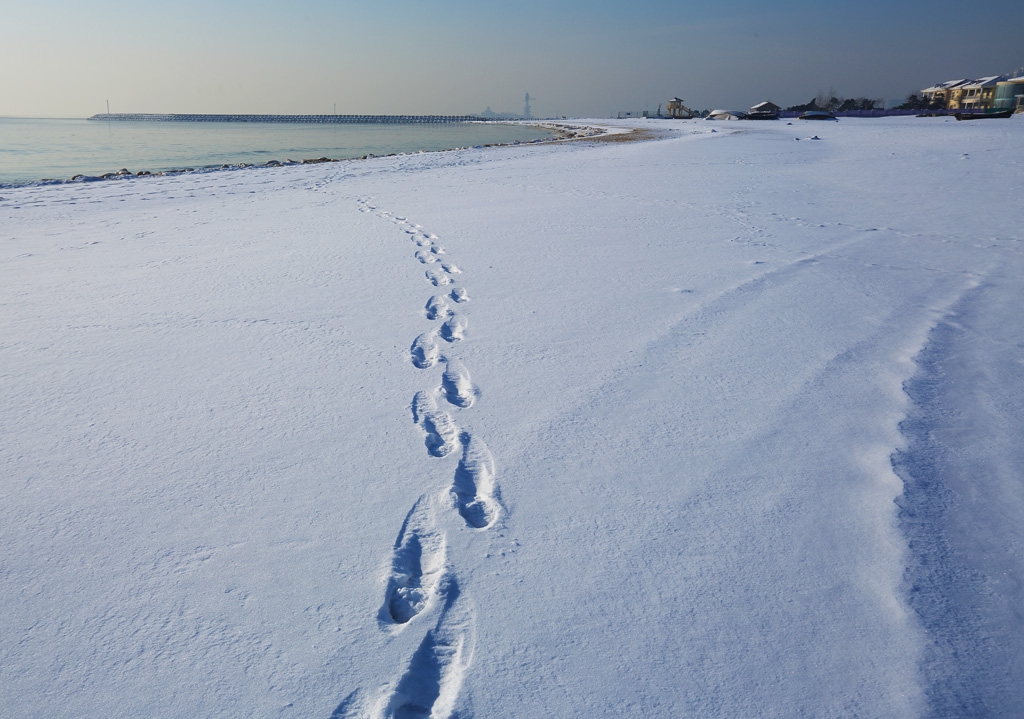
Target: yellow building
[[678, 110], [977, 95], [943, 93]]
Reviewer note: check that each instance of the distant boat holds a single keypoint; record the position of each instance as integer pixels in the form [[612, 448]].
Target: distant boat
[[726, 115], [981, 115], [817, 115]]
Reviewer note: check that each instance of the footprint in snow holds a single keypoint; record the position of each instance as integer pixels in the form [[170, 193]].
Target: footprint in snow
[[475, 489], [418, 567], [426, 257], [424, 350], [456, 384], [432, 681], [459, 294], [454, 329], [438, 278], [442, 436], [437, 307]]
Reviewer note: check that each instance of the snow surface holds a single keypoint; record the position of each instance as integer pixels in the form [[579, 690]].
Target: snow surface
[[715, 425]]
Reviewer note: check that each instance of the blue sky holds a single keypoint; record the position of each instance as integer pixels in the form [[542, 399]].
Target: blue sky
[[62, 58]]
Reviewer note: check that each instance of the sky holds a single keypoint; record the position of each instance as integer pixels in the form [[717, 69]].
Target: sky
[[64, 58]]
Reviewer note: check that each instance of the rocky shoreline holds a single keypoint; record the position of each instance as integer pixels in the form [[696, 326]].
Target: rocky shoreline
[[561, 131]]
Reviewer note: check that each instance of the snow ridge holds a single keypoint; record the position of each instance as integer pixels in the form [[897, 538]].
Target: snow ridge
[[961, 500], [420, 578]]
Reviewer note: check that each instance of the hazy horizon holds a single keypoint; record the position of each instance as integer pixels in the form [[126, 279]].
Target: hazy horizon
[[399, 57]]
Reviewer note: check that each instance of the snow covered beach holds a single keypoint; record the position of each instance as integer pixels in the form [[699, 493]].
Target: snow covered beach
[[720, 425]]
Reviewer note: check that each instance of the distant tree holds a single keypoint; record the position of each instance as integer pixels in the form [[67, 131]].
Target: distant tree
[[807, 107], [848, 105], [914, 102]]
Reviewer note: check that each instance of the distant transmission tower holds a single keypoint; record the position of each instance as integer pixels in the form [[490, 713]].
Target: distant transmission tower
[[526, 110]]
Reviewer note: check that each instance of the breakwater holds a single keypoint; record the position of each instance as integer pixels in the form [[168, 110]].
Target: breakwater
[[303, 119]]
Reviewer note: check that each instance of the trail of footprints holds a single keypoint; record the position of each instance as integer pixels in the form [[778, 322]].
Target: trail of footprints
[[421, 587]]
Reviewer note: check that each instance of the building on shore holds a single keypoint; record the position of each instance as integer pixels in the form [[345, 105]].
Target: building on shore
[[1009, 95], [676, 109], [979, 94], [942, 94], [996, 92], [764, 111]]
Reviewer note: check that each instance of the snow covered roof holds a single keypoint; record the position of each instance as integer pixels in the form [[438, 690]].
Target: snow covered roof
[[945, 85], [766, 105], [985, 82], [726, 114]]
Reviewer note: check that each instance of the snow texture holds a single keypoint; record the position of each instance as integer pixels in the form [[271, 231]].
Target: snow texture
[[717, 424]]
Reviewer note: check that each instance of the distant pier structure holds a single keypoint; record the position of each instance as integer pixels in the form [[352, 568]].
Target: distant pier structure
[[309, 119]]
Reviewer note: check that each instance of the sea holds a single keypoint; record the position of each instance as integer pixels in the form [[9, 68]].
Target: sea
[[34, 149]]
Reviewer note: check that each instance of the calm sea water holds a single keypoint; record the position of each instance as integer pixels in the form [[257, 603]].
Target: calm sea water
[[35, 149]]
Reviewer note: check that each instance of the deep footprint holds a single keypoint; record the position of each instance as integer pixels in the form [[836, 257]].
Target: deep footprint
[[475, 489], [417, 567], [431, 684], [442, 436], [424, 350], [454, 329], [437, 307], [456, 384], [438, 278], [459, 294], [426, 257]]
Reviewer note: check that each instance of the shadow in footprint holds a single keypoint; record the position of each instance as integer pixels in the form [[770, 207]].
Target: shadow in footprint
[[352, 707]]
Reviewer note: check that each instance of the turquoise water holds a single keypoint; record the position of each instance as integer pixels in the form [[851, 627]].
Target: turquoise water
[[36, 149]]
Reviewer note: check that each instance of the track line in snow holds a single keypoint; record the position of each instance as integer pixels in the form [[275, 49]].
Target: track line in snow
[[420, 578]]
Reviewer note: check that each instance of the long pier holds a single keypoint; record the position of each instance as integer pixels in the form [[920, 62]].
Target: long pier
[[307, 119]]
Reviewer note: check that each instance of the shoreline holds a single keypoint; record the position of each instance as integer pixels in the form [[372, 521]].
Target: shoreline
[[561, 131]]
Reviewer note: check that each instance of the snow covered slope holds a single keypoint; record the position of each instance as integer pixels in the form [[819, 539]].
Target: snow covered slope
[[723, 424]]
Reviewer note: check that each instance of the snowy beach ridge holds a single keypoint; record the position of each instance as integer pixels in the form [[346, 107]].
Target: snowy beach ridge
[[723, 422]]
